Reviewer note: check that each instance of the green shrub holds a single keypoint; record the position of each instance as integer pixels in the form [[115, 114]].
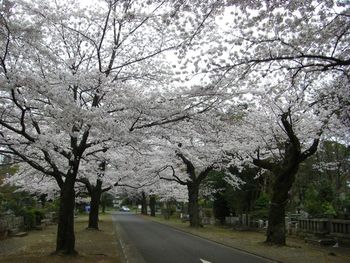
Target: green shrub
[[320, 202], [261, 207], [29, 218], [32, 217]]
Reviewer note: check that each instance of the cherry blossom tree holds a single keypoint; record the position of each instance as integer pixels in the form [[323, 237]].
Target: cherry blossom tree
[[79, 80], [76, 77], [262, 39], [111, 170], [192, 151], [296, 55], [288, 132], [284, 170], [96, 176], [30, 180], [305, 54]]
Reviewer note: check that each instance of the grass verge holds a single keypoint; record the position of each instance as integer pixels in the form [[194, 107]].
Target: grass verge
[[93, 246]]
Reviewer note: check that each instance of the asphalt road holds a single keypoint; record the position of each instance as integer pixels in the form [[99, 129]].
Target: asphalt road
[[144, 241]]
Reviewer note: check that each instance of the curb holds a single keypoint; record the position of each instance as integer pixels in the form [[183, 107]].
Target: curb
[[214, 241], [120, 246], [128, 253]]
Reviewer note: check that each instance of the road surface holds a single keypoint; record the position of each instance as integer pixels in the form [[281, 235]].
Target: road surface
[[145, 241]]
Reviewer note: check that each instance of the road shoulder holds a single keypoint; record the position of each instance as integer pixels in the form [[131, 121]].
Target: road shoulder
[[128, 253], [252, 242]]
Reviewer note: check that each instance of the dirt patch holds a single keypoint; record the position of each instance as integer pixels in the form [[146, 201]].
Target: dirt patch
[[93, 246]]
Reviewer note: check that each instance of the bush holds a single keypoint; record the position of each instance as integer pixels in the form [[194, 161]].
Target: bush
[[32, 217], [261, 207], [29, 218], [220, 207], [320, 202], [53, 206]]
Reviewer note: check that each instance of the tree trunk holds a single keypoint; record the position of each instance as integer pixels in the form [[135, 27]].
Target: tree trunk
[[193, 208], [43, 199], [144, 204], [165, 210], [152, 205], [103, 207], [94, 206], [284, 172], [276, 230], [65, 242]]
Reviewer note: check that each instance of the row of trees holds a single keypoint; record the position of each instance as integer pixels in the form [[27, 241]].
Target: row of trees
[[126, 92], [316, 192]]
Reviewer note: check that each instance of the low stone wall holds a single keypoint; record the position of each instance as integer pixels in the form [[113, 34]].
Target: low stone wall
[[208, 221], [318, 226], [340, 228], [314, 226], [325, 226], [50, 218], [232, 220], [245, 220], [204, 220], [10, 224]]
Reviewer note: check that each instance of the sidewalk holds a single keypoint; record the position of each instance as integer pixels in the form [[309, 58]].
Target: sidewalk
[[296, 250]]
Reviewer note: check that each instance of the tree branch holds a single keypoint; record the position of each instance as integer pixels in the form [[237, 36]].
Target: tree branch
[[204, 173], [287, 124], [307, 153], [189, 166], [265, 164]]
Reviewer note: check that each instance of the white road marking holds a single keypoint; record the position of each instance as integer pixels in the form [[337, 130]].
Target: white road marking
[[204, 261]]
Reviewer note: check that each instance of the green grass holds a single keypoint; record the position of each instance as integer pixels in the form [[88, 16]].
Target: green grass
[[93, 246]]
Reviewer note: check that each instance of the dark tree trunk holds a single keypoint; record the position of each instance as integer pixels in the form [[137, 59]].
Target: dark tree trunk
[[152, 205], [192, 187], [276, 231], [166, 210], [43, 200], [95, 205], [103, 207], [65, 230], [193, 207], [144, 204], [284, 171]]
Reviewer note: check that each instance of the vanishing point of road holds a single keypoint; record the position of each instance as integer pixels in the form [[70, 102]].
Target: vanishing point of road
[[145, 241]]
